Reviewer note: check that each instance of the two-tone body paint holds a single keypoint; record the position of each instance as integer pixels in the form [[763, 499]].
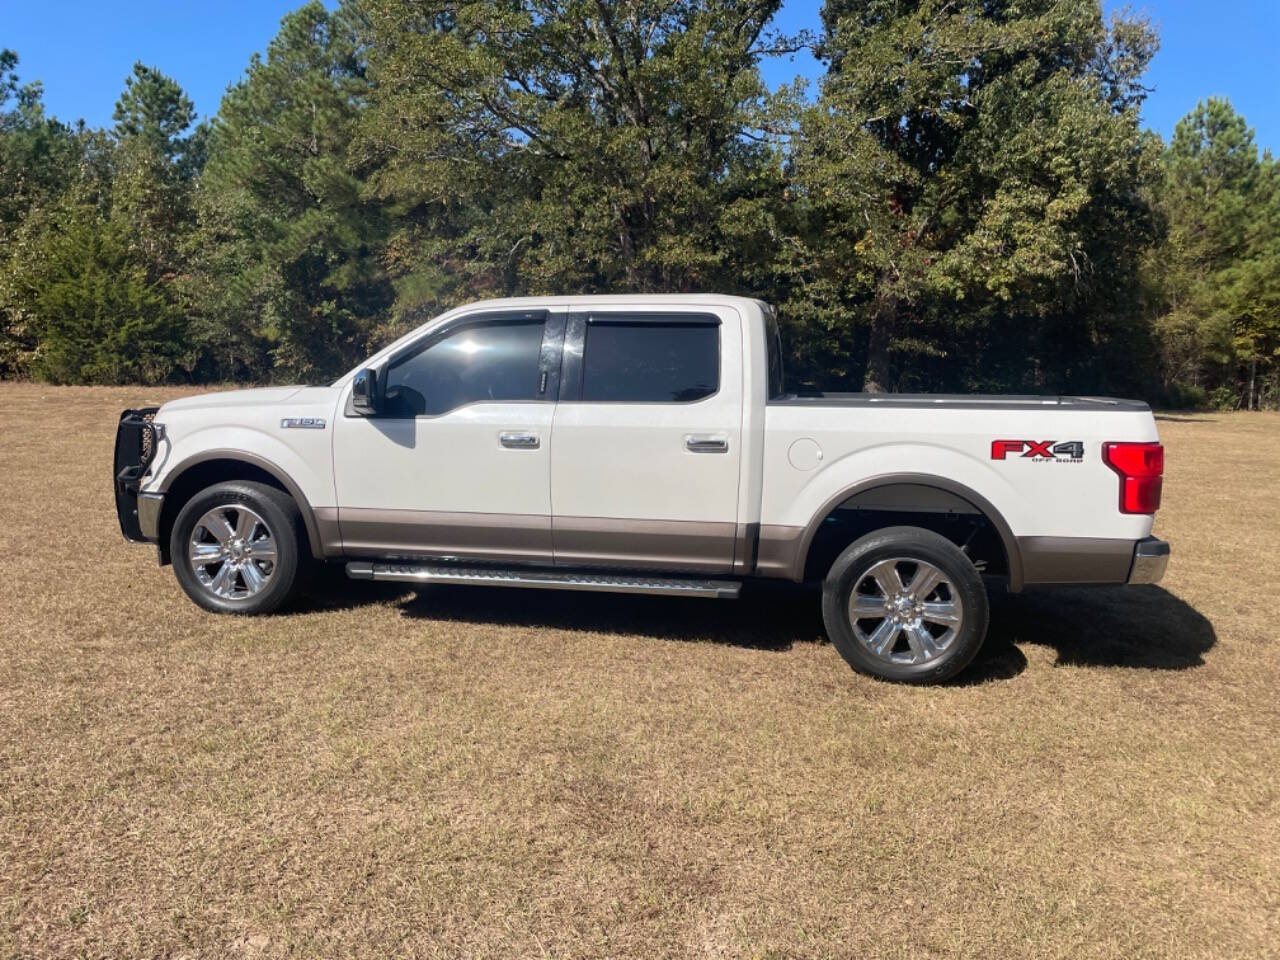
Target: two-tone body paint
[[615, 484]]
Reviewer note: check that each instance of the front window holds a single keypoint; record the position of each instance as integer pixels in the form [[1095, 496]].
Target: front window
[[494, 360]]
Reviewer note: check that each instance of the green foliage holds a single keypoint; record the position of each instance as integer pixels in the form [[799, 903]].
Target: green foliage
[[98, 318], [567, 145], [37, 154], [154, 109], [968, 204], [38, 161], [92, 222], [971, 176], [289, 280], [156, 159], [1217, 276]]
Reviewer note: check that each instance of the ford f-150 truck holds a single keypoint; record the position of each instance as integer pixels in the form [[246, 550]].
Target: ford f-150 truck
[[646, 444]]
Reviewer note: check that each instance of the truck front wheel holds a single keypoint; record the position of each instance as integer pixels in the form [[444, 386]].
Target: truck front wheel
[[905, 604], [236, 547]]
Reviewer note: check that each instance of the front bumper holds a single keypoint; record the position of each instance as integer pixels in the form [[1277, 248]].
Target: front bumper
[[149, 507], [1150, 559]]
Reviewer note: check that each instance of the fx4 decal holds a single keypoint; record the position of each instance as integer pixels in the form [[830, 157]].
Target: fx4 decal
[[1070, 451]]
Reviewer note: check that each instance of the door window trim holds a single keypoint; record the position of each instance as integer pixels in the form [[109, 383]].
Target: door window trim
[[575, 338]]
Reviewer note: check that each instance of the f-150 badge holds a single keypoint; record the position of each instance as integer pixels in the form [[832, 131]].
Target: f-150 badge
[[302, 423], [1069, 451]]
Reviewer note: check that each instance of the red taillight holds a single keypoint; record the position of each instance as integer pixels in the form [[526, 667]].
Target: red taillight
[[1141, 469]]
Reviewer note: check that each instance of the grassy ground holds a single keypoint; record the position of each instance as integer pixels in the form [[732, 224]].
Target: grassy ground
[[464, 772]]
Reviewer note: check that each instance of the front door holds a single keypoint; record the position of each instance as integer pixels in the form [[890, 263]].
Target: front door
[[647, 439], [457, 464]]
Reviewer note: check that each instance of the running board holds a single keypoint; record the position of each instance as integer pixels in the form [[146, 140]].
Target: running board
[[542, 579]]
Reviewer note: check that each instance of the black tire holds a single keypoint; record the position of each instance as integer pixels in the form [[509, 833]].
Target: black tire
[[908, 657], [283, 575]]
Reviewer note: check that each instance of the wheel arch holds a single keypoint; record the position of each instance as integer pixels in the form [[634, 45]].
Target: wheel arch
[[208, 467], [979, 503]]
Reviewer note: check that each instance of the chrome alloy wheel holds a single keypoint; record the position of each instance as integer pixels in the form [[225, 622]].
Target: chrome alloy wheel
[[905, 611], [232, 552]]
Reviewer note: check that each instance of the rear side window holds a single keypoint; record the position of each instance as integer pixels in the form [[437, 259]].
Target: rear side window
[[490, 361], [650, 361]]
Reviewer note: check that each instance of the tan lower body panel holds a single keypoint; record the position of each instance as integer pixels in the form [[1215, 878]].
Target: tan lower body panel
[[499, 537], [525, 538], [644, 544], [1056, 561], [329, 531], [779, 552]]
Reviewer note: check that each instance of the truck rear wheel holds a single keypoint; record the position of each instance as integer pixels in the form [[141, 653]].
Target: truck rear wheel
[[905, 604], [236, 547]]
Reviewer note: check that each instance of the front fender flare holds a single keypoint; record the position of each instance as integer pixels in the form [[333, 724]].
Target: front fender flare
[[304, 506]]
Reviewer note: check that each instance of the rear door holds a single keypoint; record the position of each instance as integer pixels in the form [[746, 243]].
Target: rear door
[[647, 439]]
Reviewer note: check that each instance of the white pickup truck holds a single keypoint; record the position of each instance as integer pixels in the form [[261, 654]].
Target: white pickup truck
[[646, 444]]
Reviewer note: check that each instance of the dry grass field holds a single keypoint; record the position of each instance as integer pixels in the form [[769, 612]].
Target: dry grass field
[[491, 773]]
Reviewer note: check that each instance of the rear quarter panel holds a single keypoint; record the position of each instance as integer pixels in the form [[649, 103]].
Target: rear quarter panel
[[1036, 497]]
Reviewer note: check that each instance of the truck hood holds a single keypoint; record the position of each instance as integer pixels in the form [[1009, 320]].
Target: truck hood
[[257, 397]]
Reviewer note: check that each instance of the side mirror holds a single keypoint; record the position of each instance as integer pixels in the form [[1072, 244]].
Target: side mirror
[[364, 392]]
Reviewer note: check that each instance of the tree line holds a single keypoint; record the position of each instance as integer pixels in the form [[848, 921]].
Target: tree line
[[966, 202]]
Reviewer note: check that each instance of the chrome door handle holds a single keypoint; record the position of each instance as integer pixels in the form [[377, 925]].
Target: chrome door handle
[[698, 444], [519, 441]]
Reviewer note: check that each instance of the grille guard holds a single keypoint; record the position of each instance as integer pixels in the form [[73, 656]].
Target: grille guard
[[136, 440]]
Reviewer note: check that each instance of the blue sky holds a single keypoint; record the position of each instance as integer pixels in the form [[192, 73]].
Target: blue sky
[[83, 49]]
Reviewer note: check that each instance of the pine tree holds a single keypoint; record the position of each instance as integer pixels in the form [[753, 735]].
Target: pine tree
[[1256, 289], [157, 157], [89, 289], [290, 276], [1219, 273], [971, 176], [99, 318], [38, 161], [571, 146]]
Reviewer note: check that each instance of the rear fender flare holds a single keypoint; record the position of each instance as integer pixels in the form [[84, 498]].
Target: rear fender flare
[[1010, 543]]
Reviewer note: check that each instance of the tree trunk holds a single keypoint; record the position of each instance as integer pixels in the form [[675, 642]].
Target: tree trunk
[[1253, 376], [883, 322]]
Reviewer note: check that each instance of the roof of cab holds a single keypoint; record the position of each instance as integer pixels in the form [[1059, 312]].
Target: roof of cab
[[747, 304], [612, 299]]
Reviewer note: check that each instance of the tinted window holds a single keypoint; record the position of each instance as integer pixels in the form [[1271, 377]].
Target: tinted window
[[654, 362], [487, 361], [774, 345]]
